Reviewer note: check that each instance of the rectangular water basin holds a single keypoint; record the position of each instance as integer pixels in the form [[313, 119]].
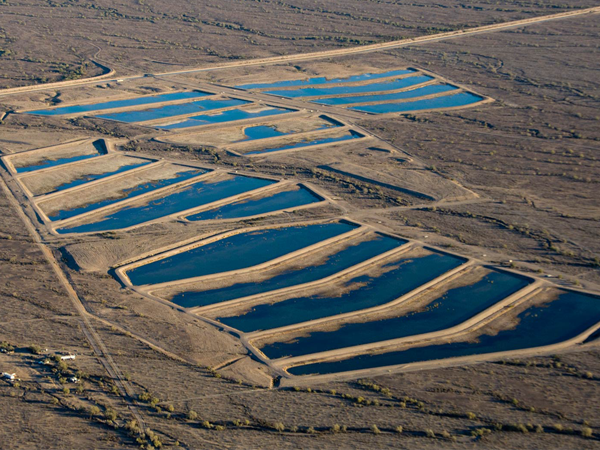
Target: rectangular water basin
[[339, 90], [413, 93], [291, 198], [450, 308], [323, 80], [325, 140], [231, 115], [448, 101], [37, 160], [399, 277], [188, 197], [332, 260], [94, 197], [179, 109], [549, 323], [137, 101], [78, 174], [235, 252]]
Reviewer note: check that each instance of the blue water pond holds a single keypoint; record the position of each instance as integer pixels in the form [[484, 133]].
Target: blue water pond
[[547, 324], [138, 101], [355, 253]]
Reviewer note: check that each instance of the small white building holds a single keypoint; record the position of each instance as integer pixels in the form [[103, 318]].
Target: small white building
[[67, 357], [73, 380], [9, 376]]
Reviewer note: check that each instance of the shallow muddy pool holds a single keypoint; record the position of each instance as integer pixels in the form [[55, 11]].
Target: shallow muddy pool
[[236, 252], [138, 101], [355, 253], [403, 276], [551, 323], [451, 308]]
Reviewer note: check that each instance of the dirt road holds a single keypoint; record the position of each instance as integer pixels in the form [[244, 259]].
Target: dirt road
[[321, 54]]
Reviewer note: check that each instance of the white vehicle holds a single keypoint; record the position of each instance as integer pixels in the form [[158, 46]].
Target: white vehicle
[[8, 376]]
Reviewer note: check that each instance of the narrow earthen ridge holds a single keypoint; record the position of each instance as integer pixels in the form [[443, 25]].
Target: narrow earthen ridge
[[120, 203], [278, 187], [268, 120], [7, 159], [303, 136], [122, 271], [474, 322], [175, 119], [40, 199], [443, 279], [279, 91], [153, 195], [363, 137], [265, 297], [118, 98], [153, 122]]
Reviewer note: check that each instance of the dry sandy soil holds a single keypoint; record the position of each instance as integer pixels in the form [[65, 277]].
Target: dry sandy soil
[[531, 157]]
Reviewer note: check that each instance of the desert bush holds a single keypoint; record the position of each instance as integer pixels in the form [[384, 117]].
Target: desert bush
[[587, 432]]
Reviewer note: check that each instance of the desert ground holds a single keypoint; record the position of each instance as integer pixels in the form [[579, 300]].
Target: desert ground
[[100, 209]]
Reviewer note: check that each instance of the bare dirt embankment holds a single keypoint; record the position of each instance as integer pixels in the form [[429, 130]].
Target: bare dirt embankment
[[417, 182]]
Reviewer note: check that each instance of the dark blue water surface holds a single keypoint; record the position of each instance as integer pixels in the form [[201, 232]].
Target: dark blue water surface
[[323, 80], [451, 308], [180, 109], [267, 131], [338, 90], [54, 162], [251, 207], [448, 101], [98, 176], [419, 92], [236, 252], [563, 319], [225, 116], [404, 276], [194, 195], [120, 103], [127, 193], [350, 256], [346, 137]]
